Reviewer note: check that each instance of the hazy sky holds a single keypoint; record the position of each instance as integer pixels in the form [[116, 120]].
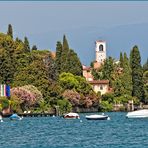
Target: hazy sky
[[44, 23]]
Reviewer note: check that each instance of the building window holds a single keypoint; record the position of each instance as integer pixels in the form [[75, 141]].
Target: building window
[[101, 47], [101, 87]]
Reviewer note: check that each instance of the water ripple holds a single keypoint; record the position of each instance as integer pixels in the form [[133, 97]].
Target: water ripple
[[48, 132]]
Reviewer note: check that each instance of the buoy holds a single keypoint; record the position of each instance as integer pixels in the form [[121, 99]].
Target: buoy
[[80, 120]]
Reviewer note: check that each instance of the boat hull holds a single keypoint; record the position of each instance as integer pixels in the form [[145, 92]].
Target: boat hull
[[103, 118], [97, 117], [71, 116], [138, 114]]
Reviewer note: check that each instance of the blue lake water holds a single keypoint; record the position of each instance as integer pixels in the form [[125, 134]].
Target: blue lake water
[[56, 132]]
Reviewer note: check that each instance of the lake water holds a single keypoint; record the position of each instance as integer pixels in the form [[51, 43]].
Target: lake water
[[56, 132]]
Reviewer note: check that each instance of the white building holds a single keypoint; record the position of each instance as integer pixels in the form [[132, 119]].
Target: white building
[[100, 53], [101, 86]]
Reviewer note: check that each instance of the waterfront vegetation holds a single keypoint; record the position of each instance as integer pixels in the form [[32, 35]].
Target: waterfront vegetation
[[40, 81]]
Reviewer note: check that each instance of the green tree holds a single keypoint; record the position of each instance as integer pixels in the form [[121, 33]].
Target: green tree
[[74, 65], [64, 106], [38, 72], [34, 74], [10, 31], [121, 59], [4, 102], [118, 87], [51, 68], [64, 55], [66, 59], [58, 59], [83, 87], [65, 43], [137, 73], [105, 106], [26, 45], [108, 69], [72, 82], [7, 59], [97, 73], [126, 77], [18, 40], [108, 97], [68, 81], [34, 47]]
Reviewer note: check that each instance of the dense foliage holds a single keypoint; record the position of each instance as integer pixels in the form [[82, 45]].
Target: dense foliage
[[42, 81], [127, 79], [78, 91], [33, 74], [137, 74], [66, 59]]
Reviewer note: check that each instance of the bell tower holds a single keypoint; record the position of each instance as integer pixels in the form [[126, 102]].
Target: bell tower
[[100, 51]]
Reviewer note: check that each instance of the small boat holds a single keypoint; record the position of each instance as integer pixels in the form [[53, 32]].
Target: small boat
[[15, 117], [138, 114], [97, 117], [71, 116]]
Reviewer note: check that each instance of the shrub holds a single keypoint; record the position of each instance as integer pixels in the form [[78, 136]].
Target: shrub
[[64, 106], [4, 102], [27, 96], [105, 106]]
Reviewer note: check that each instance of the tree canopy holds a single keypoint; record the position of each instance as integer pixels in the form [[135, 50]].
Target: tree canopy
[[137, 73]]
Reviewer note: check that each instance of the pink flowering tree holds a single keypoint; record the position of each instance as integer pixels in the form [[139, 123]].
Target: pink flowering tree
[[27, 95]]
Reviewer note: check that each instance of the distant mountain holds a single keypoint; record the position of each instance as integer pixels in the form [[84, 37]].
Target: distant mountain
[[82, 40]]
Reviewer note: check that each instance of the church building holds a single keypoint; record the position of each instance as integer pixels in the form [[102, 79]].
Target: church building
[[101, 86], [100, 53]]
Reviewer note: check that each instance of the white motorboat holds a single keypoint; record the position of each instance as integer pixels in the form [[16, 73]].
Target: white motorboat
[[71, 116], [97, 117], [138, 114]]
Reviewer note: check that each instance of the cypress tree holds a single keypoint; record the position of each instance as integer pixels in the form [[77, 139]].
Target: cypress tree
[[26, 45], [126, 78], [18, 40], [121, 59], [74, 65], [66, 59], [10, 31], [58, 59], [64, 56], [108, 69], [51, 68], [65, 43], [34, 47], [137, 74], [7, 63]]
